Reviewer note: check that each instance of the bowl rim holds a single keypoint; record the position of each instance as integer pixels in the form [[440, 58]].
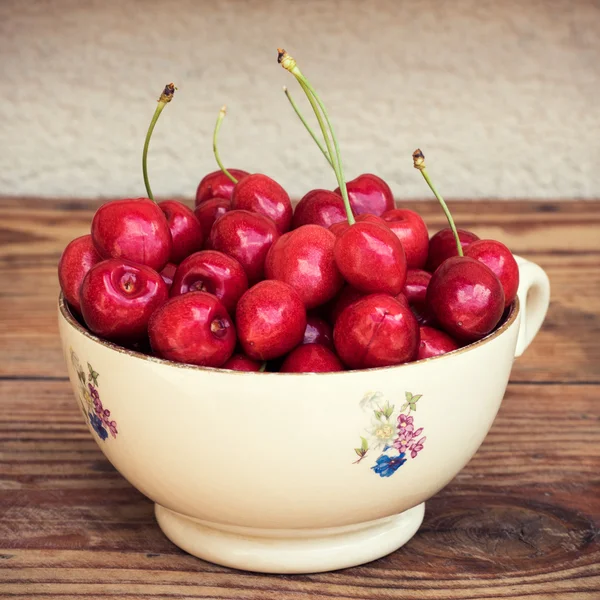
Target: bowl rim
[[67, 315]]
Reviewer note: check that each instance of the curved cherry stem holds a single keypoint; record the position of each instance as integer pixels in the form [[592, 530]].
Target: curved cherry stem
[[220, 118], [263, 367], [307, 126], [289, 64], [419, 163], [165, 98]]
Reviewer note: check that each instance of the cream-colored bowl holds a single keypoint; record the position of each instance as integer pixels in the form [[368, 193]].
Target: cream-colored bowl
[[292, 473]]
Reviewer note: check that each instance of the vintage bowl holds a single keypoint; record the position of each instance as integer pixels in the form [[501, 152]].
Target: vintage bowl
[[295, 473]]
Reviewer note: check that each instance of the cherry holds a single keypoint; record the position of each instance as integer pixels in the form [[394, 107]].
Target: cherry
[[500, 260], [338, 228], [345, 298], [186, 231], [304, 259], [318, 331], [168, 273], [311, 358], [376, 331], [240, 362], [412, 232], [319, 207], [434, 343], [371, 258], [261, 194], [271, 320], [213, 272], [443, 245], [415, 290], [133, 229], [193, 328], [217, 185], [466, 298], [209, 211], [76, 260], [247, 236], [118, 297], [369, 194]]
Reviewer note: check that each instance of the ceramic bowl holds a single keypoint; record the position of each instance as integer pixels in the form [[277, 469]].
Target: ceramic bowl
[[295, 473]]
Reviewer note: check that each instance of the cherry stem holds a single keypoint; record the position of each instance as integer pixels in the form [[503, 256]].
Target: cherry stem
[[165, 98], [419, 163], [307, 126], [289, 64], [263, 367], [220, 118]]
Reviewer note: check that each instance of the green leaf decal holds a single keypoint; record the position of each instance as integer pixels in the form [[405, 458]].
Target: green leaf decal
[[364, 444], [359, 452], [93, 376], [404, 407]]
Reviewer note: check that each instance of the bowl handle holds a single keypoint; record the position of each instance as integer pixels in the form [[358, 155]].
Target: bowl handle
[[534, 299]]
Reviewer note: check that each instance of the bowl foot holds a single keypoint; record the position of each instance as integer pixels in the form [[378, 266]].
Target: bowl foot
[[290, 550]]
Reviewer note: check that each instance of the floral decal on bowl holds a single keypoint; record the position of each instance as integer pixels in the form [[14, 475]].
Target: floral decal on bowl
[[89, 400], [392, 433]]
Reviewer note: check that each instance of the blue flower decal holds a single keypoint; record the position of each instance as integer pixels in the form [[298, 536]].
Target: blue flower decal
[[96, 423], [388, 465]]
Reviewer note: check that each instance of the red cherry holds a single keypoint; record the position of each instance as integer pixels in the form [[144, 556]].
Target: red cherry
[[118, 297], [271, 320], [318, 331], [240, 362], [443, 245], [345, 298], [304, 259], [186, 231], [466, 298], [376, 331], [319, 207], [76, 260], [434, 343], [135, 230], [209, 211], [168, 273], [369, 194], [338, 228], [213, 272], [371, 258], [217, 185], [261, 194], [415, 290], [412, 232], [247, 236], [311, 358], [193, 328], [500, 260]]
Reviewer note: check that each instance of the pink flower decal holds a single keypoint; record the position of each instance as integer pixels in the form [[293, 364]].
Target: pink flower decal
[[405, 424], [416, 447]]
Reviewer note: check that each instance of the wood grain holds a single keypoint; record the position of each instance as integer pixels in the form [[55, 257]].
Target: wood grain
[[521, 521]]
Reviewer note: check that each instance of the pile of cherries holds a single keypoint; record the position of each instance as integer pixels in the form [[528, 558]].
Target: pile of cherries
[[345, 280]]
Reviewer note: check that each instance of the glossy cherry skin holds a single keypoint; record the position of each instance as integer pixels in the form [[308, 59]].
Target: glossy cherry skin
[[213, 272], [261, 194], [466, 298], [415, 290], [168, 273], [304, 259], [319, 207], [186, 231], [240, 362], [194, 329], [442, 246], [311, 358], [434, 343], [338, 228], [217, 185], [271, 320], [345, 298], [209, 211], [412, 232], [118, 297], [371, 258], [247, 236], [376, 331], [318, 331], [76, 260], [369, 194], [135, 230], [501, 261]]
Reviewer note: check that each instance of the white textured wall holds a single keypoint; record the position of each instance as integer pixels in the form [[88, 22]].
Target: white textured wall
[[502, 96]]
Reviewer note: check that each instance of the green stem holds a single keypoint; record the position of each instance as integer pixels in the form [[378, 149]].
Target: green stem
[[263, 367], [164, 99], [307, 126], [220, 118], [419, 163]]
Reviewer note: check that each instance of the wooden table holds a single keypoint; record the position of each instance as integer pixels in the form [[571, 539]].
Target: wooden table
[[520, 521]]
